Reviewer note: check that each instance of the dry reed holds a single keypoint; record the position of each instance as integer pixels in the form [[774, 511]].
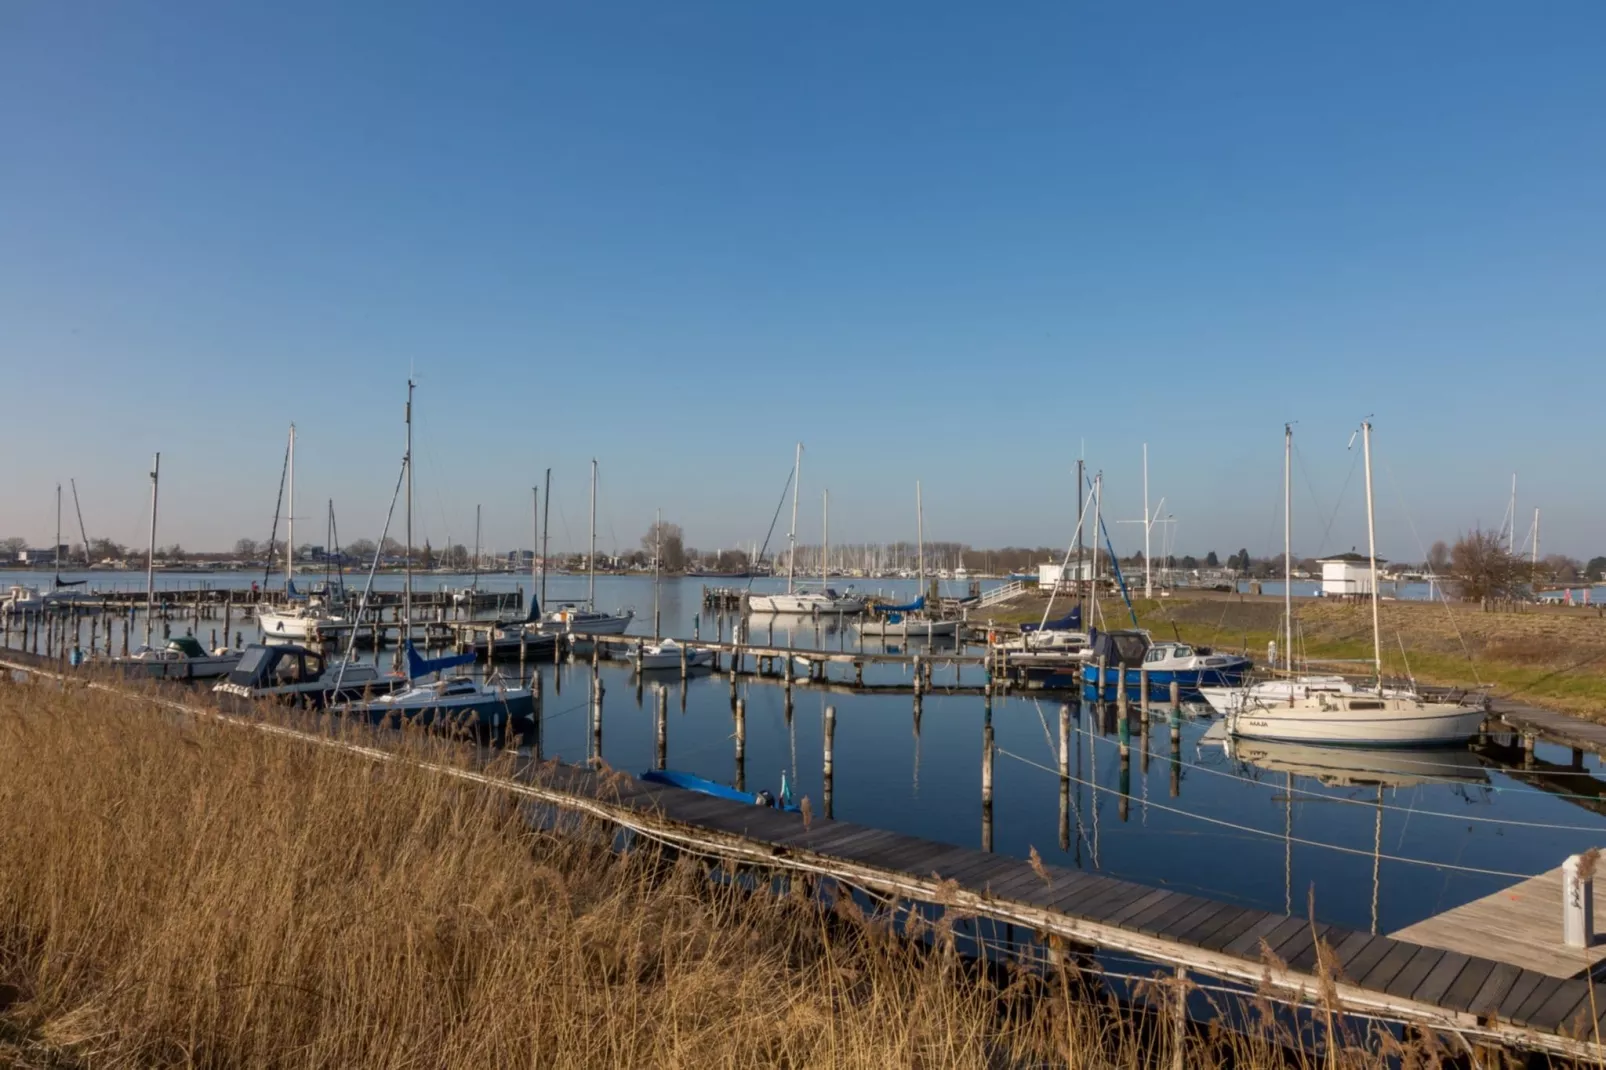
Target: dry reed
[[175, 892]]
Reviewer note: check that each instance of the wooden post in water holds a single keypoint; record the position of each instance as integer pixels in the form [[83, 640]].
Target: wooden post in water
[[228, 617], [1065, 742], [1104, 678], [596, 718], [524, 648], [661, 752], [741, 744], [1176, 698], [987, 787], [829, 769], [1143, 691]]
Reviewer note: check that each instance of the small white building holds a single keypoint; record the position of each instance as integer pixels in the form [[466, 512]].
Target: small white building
[[1344, 574], [1051, 576]]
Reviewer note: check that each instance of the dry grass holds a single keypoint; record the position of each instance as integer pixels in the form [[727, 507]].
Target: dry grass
[[176, 893]]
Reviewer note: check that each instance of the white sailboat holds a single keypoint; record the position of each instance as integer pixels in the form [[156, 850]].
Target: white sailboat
[[809, 600], [300, 618], [895, 622], [63, 592], [1376, 718], [587, 619]]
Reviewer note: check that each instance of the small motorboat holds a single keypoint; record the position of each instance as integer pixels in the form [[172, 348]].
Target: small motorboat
[[183, 658], [693, 782], [297, 674], [459, 701], [807, 601], [667, 655], [1163, 664], [21, 599]]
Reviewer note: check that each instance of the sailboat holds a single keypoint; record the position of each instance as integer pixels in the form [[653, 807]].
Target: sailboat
[[895, 621], [63, 591], [300, 618], [1376, 718], [587, 619], [455, 699], [797, 599]]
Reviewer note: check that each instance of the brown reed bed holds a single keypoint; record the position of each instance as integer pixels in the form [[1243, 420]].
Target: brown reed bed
[[184, 892]]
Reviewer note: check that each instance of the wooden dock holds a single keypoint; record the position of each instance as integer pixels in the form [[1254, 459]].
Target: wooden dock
[[1522, 924], [1479, 999]]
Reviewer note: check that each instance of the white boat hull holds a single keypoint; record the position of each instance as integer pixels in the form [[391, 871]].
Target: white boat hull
[[588, 623], [158, 668], [290, 625], [668, 657], [1387, 722], [910, 629], [803, 604], [1226, 700]]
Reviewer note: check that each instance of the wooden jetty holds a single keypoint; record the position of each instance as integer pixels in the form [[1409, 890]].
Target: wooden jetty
[[1522, 924], [1477, 999]]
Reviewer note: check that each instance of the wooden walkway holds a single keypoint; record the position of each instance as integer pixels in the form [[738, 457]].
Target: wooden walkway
[[1521, 923], [1441, 989]]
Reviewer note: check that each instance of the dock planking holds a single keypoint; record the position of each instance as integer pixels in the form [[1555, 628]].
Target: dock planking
[[1523, 921]]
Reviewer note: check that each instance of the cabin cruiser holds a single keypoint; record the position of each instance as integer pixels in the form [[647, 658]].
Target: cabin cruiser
[[183, 658], [300, 675], [1377, 718], [1129, 657], [456, 700], [302, 618], [21, 599], [667, 654], [807, 600], [905, 622]]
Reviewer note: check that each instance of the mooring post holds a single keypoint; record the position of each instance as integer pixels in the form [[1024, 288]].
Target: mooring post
[[919, 676], [1527, 748], [228, 617], [1577, 903], [829, 769], [1103, 676], [1143, 691], [685, 664], [1123, 732], [524, 649], [596, 718], [1065, 742], [1176, 700], [641, 650], [661, 752], [741, 744], [987, 787], [1179, 1022]]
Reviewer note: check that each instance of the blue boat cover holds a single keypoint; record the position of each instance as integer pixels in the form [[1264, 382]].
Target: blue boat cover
[[1071, 622], [1118, 648], [291, 592], [69, 583], [417, 665], [693, 782], [912, 607]]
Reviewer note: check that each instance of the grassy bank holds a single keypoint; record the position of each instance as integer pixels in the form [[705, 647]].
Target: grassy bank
[[189, 893], [1549, 655]]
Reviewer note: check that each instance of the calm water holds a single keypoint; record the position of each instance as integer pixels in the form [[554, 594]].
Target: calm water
[[1262, 832]]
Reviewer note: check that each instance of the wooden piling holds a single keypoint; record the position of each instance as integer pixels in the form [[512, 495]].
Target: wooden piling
[[1065, 741], [741, 744], [661, 751], [987, 787], [829, 768], [1143, 691]]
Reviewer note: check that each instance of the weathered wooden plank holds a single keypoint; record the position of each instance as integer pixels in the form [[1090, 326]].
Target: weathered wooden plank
[[1068, 891], [1356, 963], [1233, 928], [1208, 922], [1247, 945], [1542, 993], [1111, 901], [1437, 983], [1459, 996], [1304, 959], [1138, 906], [1389, 966], [1562, 1010], [1519, 991], [1410, 978], [1487, 999], [1279, 934]]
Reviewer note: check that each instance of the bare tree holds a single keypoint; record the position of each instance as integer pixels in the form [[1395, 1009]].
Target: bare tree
[[670, 541], [245, 548], [1482, 568], [13, 545], [1439, 557]]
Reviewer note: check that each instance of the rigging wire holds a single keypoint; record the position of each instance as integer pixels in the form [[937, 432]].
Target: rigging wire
[[790, 475]]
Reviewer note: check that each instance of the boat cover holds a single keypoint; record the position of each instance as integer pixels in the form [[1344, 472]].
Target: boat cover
[[291, 592], [1118, 648], [69, 583], [418, 665], [912, 607], [1071, 622]]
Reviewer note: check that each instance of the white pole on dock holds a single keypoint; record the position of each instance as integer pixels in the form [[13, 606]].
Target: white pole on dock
[[290, 518], [150, 559], [829, 771], [920, 538], [1371, 550]]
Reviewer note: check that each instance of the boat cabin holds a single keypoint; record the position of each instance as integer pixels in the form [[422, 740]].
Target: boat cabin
[[1126, 649], [262, 667], [186, 646]]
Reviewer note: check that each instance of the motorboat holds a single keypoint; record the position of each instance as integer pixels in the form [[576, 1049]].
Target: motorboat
[[297, 674], [1112, 661], [183, 658], [667, 655], [21, 599], [301, 618], [704, 786], [459, 701]]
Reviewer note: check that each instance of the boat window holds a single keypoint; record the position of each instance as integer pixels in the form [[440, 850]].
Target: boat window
[[1365, 704], [288, 670], [252, 660], [1157, 654], [314, 666], [1182, 651]]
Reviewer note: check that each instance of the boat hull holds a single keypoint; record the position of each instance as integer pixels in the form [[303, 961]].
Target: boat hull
[[910, 629], [487, 712], [1428, 725], [177, 669]]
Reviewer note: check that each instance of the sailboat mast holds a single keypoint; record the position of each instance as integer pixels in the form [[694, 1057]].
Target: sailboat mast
[[58, 532], [1148, 526], [657, 557], [591, 560], [791, 537], [535, 534], [150, 555], [407, 578], [290, 530], [546, 513], [84, 533], [1288, 553], [1371, 547], [1081, 515], [1093, 573], [476, 583], [920, 538], [825, 535]]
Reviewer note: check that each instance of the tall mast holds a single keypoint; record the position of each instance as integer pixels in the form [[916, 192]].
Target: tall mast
[[407, 580], [546, 513], [1288, 553], [58, 532], [1371, 547], [1534, 573], [825, 535], [1093, 573], [920, 538], [657, 557], [82, 531], [290, 531], [1148, 525], [476, 548], [328, 541], [150, 555], [535, 534], [791, 537], [1081, 515], [1511, 532], [591, 562]]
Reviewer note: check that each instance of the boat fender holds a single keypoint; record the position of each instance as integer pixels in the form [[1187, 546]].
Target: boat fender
[[764, 798]]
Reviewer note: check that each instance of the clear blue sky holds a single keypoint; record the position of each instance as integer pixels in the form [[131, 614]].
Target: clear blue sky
[[934, 241]]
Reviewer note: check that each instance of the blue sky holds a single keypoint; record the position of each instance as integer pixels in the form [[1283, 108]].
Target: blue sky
[[942, 242]]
